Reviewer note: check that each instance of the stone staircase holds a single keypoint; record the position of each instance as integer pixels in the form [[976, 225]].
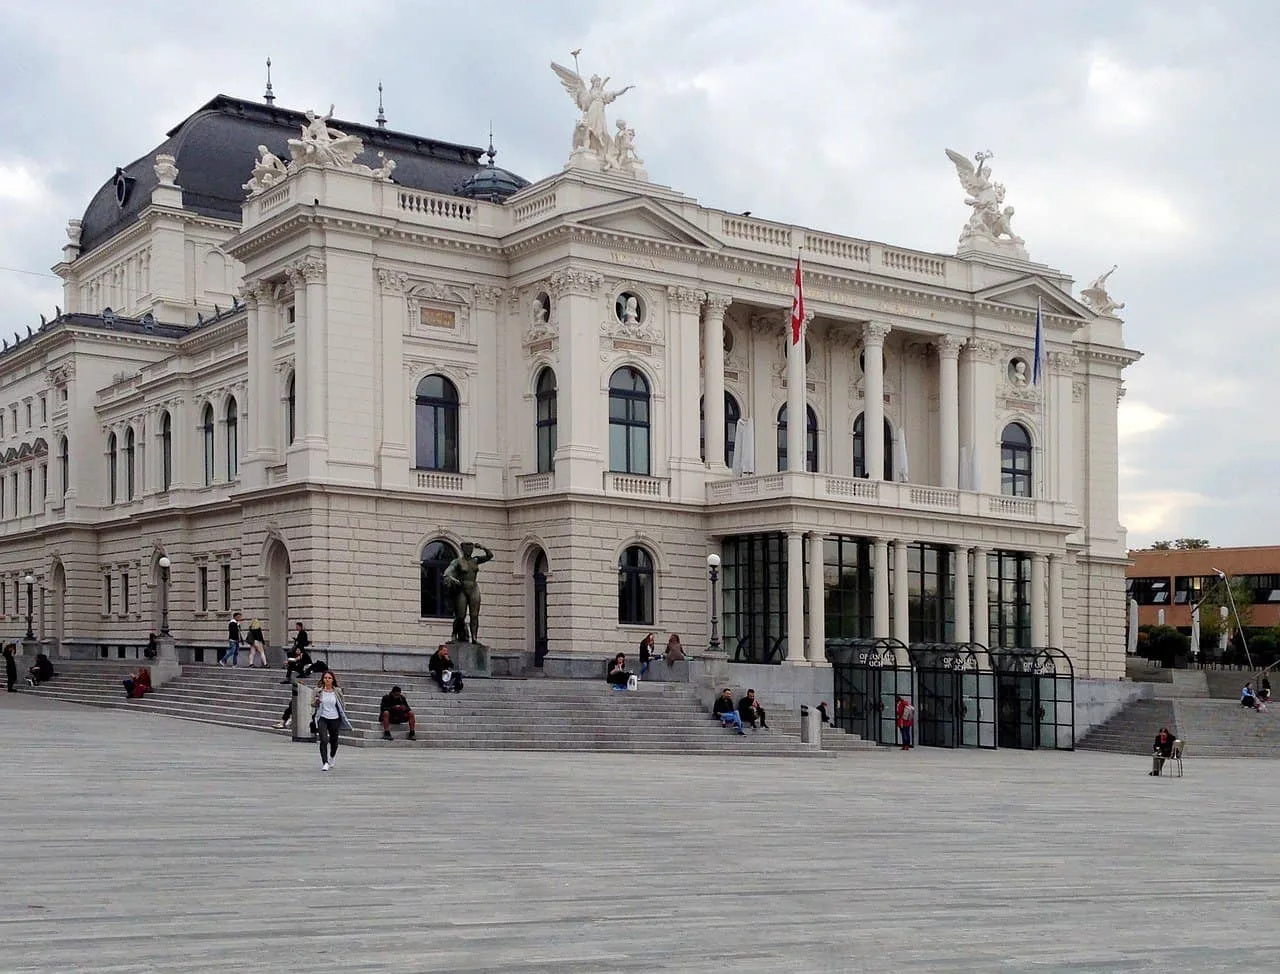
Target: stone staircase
[[1224, 729], [1133, 729], [534, 714]]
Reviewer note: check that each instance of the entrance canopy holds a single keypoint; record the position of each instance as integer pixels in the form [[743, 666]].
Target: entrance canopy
[[955, 701], [868, 676], [1036, 692]]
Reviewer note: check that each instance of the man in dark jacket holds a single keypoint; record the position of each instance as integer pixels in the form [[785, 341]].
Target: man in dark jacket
[[751, 712], [42, 672], [443, 670], [395, 709], [10, 669], [299, 661], [725, 712], [1163, 751]]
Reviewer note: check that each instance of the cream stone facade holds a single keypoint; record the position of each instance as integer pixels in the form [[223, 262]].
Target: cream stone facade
[[266, 403]]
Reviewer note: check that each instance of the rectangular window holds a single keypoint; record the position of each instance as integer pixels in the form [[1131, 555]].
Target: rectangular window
[[62, 393], [931, 606], [13, 413], [28, 408], [44, 482], [1149, 591], [124, 593], [202, 597], [291, 314], [17, 596], [44, 409], [31, 476], [14, 481], [4, 599], [1, 424], [754, 586], [1009, 600], [106, 593], [226, 588], [847, 580]]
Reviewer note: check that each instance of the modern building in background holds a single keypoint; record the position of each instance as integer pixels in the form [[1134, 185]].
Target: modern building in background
[[1167, 584], [305, 359]]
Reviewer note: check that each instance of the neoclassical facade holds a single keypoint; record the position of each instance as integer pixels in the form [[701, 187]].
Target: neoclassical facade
[[305, 360]]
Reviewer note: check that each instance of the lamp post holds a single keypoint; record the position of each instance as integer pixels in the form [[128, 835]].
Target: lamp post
[[713, 573], [31, 581], [164, 594]]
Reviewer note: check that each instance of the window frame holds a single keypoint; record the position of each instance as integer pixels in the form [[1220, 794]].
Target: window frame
[[130, 455], [732, 413], [546, 399], [637, 587], [634, 429], [440, 417], [810, 439], [207, 434], [1015, 481], [431, 577], [166, 451], [112, 482], [232, 433]]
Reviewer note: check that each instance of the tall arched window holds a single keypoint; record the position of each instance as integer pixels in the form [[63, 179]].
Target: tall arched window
[[129, 456], [64, 464], [206, 436], [166, 451], [233, 440], [436, 602], [860, 448], [1015, 461], [546, 424], [629, 422], [436, 424], [635, 587], [290, 408], [731, 416], [810, 440], [112, 484]]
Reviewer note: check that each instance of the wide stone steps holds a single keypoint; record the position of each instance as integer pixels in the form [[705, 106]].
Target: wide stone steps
[[1133, 729]]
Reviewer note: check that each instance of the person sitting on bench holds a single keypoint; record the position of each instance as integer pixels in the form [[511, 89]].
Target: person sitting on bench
[[1163, 751], [395, 709], [1248, 698], [726, 712], [443, 671], [751, 712], [42, 671], [618, 674], [138, 685]]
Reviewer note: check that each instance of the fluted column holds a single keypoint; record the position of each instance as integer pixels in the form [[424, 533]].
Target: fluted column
[[1039, 616], [962, 626], [795, 597], [316, 327], [901, 616], [1055, 601], [880, 588], [981, 614], [817, 651], [797, 400], [713, 378], [981, 357], [394, 462], [874, 335], [949, 408], [582, 430]]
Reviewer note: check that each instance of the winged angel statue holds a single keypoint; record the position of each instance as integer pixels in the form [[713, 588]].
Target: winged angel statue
[[1097, 298], [989, 221], [591, 132]]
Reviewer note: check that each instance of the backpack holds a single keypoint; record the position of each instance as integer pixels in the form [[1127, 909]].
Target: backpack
[[909, 714]]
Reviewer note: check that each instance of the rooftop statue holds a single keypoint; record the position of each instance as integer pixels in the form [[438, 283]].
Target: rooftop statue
[[1096, 296], [267, 171], [990, 223], [591, 139], [324, 145]]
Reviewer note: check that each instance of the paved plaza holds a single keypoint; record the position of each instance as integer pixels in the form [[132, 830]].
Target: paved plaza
[[136, 843]]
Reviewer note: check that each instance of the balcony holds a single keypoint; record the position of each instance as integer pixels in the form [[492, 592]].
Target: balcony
[[438, 482], [919, 498], [636, 485], [533, 484]]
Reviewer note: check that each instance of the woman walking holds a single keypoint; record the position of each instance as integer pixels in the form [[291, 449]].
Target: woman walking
[[257, 644], [330, 717]]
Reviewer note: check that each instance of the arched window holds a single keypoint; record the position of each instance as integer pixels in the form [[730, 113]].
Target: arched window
[[166, 451], [290, 409], [206, 431], [546, 424], [436, 424], [436, 601], [629, 422], [129, 456], [1015, 461], [810, 440], [111, 467], [233, 440], [635, 587], [860, 448], [64, 464], [731, 416]]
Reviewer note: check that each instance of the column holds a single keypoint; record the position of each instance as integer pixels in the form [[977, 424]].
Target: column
[[817, 652], [901, 618], [393, 452], [317, 329], [1055, 601], [713, 378], [982, 356], [301, 356], [582, 419], [962, 626], [874, 334], [880, 588], [1039, 622], [684, 307], [486, 396], [797, 400], [949, 408], [981, 615], [1061, 434], [795, 597], [253, 472]]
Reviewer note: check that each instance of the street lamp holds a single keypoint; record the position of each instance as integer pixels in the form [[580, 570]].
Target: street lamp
[[31, 581], [713, 573], [164, 594]]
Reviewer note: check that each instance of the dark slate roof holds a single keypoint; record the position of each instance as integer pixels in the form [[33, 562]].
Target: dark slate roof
[[215, 148]]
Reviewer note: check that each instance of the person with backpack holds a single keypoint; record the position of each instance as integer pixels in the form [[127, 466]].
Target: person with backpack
[[905, 712]]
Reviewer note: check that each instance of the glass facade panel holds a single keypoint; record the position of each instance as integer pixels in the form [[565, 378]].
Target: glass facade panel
[[1009, 600]]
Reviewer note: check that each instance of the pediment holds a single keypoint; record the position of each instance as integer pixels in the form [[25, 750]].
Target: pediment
[[1024, 293], [645, 219]]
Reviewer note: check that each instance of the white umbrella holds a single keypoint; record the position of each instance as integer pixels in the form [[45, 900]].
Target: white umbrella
[[739, 446], [900, 455], [1195, 629], [745, 446], [966, 468], [1133, 626]]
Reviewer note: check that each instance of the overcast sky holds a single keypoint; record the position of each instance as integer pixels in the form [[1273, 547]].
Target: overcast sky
[[1135, 133]]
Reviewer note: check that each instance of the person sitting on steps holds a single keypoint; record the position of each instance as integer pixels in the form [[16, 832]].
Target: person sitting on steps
[[299, 662], [41, 672], [1163, 751], [1248, 698], [674, 652], [137, 685], [618, 675], [647, 655], [751, 712], [1265, 693], [395, 709], [726, 712], [443, 671]]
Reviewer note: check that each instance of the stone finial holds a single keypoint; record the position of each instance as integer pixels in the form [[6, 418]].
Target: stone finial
[[166, 171]]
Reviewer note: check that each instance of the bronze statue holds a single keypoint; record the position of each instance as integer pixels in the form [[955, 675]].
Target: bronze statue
[[460, 579]]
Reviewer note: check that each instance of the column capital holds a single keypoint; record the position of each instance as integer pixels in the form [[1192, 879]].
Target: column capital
[[309, 270], [815, 535], [875, 332], [392, 282], [486, 296], [574, 280], [252, 292], [983, 349], [948, 346], [685, 299], [716, 305]]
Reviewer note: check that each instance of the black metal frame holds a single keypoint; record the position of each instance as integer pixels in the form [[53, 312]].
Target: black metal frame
[[956, 695], [868, 676], [1035, 695]]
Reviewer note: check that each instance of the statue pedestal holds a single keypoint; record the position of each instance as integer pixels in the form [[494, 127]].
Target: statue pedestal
[[165, 666], [471, 659]]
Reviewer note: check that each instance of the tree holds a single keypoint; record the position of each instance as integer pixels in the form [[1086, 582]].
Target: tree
[[1181, 544], [1211, 623]]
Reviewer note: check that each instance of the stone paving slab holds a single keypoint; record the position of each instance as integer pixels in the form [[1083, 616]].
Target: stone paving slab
[[140, 844]]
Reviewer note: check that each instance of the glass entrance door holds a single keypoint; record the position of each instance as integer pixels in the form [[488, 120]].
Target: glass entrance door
[[540, 646]]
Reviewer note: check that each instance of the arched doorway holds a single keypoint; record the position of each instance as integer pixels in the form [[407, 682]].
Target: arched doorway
[[538, 603], [59, 607], [278, 571]]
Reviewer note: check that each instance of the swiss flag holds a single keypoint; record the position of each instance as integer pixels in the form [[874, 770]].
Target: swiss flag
[[797, 308]]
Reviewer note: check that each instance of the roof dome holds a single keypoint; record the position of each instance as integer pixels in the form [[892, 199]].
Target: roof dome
[[492, 183]]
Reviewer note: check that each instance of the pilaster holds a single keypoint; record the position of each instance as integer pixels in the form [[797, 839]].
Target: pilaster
[[795, 597], [713, 312], [874, 334], [948, 347], [488, 459], [393, 461], [582, 423]]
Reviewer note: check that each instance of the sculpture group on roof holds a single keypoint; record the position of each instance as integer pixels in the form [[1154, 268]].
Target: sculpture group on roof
[[990, 224], [593, 146], [1097, 298], [319, 144]]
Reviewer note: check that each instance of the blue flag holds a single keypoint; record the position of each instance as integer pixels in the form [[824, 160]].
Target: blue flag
[[1037, 367]]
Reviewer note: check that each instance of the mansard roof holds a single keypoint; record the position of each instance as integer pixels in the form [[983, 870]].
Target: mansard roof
[[215, 148]]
